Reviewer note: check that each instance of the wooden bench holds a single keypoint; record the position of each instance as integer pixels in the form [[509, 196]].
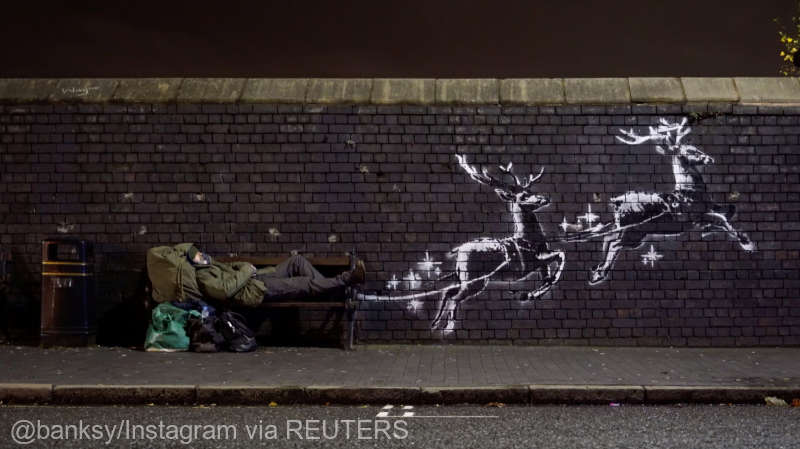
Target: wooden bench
[[328, 266]]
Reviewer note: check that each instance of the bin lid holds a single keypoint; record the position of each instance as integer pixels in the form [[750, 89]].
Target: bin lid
[[51, 246]]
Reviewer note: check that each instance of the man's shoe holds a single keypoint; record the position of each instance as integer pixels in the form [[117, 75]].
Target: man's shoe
[[359, 273]]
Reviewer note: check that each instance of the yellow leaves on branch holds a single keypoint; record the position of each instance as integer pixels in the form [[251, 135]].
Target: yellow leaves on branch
[[790, 46]]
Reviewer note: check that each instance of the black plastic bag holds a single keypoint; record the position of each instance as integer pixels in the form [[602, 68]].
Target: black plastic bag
[[238, 337], [203, 334]]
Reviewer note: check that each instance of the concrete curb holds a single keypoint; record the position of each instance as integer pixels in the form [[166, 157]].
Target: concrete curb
[[731, 394], [412, 91], [358, 395], [26, 393], [17, 393], [123, 394], [586, 394], [512, 394], [249, 395]]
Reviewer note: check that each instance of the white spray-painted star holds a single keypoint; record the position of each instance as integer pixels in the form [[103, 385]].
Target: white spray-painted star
[[589, 217], [427, 264], [565, 224], [651, 257], [393, 283], [413, 280]]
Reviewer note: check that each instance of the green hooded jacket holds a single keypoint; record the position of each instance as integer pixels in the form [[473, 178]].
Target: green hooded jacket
[[231, 282], [171, 274], [175, 278]]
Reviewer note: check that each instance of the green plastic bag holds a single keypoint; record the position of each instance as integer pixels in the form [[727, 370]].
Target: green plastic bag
[[166, 332]]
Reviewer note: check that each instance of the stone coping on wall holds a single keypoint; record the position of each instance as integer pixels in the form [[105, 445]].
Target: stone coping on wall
[[418, 91]]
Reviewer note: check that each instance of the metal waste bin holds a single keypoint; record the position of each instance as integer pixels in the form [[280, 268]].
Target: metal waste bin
[[68, 295]]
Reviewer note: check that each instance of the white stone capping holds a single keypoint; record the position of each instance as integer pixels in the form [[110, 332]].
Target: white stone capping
[[398, 91]]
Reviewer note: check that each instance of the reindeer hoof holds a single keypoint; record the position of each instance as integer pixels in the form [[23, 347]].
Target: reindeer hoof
[[597, 277], [747, 245]]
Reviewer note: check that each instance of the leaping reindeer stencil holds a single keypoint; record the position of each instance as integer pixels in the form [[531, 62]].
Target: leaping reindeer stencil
[[480, 261], [640, 215]]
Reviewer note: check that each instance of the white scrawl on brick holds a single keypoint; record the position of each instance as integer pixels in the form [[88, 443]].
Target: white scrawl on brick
[[274, 233], [65, 227]]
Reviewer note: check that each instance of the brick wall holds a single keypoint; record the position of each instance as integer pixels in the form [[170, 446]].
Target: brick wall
[[267, 179]]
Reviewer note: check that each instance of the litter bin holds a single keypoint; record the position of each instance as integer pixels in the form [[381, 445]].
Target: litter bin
[[68, 309]]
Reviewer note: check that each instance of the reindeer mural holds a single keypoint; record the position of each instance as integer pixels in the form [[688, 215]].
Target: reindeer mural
[[525, 252], [640, 215], [480, 261]]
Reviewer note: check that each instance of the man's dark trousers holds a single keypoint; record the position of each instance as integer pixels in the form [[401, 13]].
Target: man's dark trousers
[[296, 278]]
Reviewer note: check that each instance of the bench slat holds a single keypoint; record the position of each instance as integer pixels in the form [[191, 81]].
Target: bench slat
[[272, 261], [305, 304]]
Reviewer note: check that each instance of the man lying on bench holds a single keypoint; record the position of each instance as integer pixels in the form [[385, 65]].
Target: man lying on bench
[[294, 278]]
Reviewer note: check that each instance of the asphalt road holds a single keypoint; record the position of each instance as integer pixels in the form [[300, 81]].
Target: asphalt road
[[629, 426]]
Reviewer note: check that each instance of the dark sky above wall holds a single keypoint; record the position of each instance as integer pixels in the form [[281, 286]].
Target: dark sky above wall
[[382, 38]]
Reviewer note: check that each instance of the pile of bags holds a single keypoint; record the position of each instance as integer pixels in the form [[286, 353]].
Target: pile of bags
[[179, 323], [195, 325]]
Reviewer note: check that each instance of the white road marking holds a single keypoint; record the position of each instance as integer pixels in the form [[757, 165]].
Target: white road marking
[[385, 413]]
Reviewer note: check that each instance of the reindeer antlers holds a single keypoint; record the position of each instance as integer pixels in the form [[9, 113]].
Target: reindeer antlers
[[485, 178], [531, 178], [663, 133], [482, 177]]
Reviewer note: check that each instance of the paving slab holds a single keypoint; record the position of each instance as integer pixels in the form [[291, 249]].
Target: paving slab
[[467, 91], [147, 90], [403, 91], [406, 366], [399, 373], [81, 90], [597, 90], [24, 90], [768, 90], [656, 90], [211, 90], [423, 91], [532, 91], [275, 90], [339, 90], [702, 89]]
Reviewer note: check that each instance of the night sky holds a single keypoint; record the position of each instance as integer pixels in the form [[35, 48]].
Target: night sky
[[377, 38]]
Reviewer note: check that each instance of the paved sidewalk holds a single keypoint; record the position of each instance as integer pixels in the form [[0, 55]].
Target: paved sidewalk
[[411, 373]]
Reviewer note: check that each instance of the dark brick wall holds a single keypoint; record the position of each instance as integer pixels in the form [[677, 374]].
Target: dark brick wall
[[268, 179]]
